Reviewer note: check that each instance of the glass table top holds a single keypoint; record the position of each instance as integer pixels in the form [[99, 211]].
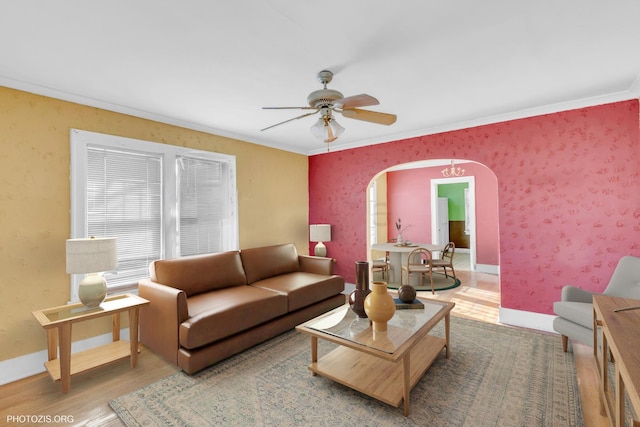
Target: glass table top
[[344, 323], [77, 310]]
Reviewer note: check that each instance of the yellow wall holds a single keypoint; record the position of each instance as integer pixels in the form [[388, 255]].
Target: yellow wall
[[34, 202], [381, 208]]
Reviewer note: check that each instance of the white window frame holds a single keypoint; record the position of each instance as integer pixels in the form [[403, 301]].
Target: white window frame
[[373, 213], [81, 140]]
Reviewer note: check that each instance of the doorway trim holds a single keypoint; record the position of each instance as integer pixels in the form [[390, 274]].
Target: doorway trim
[[471, 214]]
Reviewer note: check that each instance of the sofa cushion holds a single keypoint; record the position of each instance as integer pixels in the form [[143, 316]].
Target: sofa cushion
[[200, 273], [269, 261], [576, 312], [220, 314], [303, 289]]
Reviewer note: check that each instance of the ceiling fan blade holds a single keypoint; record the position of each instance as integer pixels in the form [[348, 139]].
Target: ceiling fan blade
[[290, 120], [289, 108], [362, 100], [370, 116]]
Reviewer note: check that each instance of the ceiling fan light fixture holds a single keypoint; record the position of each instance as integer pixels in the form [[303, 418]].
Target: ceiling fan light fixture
[[318, 128], [327, 101], [327, 129], [335, 129]]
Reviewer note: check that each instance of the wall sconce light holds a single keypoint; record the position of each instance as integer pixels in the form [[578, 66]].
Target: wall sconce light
[[453, 171], [320, 233], [92, 255]]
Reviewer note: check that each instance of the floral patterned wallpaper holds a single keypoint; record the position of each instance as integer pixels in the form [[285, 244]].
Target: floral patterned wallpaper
[[568, 196]]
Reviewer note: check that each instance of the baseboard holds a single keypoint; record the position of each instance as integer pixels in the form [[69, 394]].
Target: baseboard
[[487, 268], [526, 319], [31, 364]]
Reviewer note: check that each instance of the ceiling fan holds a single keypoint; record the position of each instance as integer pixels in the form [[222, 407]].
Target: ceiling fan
[[328, 101]]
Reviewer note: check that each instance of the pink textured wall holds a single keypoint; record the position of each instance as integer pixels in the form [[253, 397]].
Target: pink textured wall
[[568, 195], [409, 198]]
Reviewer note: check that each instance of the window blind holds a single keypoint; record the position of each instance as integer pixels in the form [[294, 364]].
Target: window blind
[[124, 200], [202, 205], [159, 200]]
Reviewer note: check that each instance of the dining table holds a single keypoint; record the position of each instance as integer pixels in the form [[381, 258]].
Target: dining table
[[399, 254]]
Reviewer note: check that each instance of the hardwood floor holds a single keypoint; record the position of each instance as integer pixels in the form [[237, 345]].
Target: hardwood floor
[[87, 403]]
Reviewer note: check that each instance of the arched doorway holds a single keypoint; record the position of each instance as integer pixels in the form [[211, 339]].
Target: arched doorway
[[421, 190]]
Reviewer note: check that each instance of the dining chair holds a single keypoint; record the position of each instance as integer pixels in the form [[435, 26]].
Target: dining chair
[[419, 261], [382, 264], [446, 259]]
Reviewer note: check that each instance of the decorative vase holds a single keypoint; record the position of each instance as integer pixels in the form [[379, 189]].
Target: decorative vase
[[399, 239], [379, 306], [356, 298], [407, 293]]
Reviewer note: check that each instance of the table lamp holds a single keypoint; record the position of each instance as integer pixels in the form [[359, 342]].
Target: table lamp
[[92, 255], [320, 233]]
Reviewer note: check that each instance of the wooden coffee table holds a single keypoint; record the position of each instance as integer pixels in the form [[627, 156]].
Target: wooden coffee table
[[387, 365]]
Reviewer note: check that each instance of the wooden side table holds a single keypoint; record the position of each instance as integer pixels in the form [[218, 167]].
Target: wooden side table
[[57, 321]]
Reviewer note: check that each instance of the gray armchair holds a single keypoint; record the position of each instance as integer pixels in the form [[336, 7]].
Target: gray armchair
[[575, 310]]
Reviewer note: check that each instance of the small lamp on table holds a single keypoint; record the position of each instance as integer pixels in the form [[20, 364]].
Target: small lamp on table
[[320, 233], [94, 256]]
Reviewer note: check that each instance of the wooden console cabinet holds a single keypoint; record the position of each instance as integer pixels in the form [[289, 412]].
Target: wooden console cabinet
[[58, 320], [616, 333]]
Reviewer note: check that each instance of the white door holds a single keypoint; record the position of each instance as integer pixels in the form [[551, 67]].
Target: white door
[[443, 221], [469, 210]]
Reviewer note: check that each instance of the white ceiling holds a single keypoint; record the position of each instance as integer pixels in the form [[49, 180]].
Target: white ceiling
[[211, 65]]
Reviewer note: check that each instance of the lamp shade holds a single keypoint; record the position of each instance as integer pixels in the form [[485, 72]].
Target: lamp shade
[[320, 232], [327, 129], [92, 255]]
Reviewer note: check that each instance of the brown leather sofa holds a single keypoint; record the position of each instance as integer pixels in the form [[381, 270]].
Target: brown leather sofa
[[206, 308]]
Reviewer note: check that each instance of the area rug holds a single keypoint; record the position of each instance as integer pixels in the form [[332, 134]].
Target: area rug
[[496, 376], [440, 283]]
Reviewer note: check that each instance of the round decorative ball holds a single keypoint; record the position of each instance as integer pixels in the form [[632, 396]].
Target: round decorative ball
[[407, 293]]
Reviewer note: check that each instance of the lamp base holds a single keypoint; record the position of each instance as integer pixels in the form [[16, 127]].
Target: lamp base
[[320, 250], [92, 290]]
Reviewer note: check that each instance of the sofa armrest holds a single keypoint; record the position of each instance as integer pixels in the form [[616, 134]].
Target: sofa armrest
[[317, 265], [160, 319], [574, 294]]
